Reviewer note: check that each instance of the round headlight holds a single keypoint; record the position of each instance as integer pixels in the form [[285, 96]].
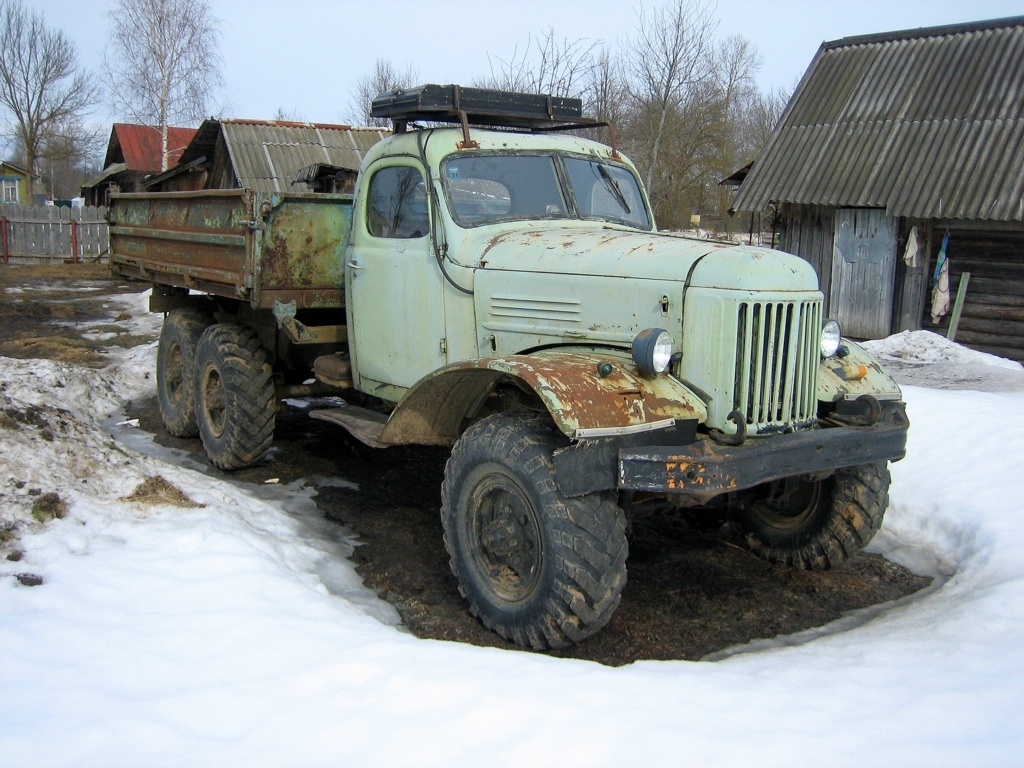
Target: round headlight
[[831, 336], [652, 350]]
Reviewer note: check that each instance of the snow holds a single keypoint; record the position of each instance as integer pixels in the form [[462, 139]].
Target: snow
[[238, 633]]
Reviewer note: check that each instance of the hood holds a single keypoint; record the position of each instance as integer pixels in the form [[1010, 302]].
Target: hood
[[609, 252]]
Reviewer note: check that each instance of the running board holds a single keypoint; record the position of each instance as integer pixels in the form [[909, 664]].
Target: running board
[[363, 424]]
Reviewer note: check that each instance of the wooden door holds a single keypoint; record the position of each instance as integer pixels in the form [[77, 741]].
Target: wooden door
[[863, 272]]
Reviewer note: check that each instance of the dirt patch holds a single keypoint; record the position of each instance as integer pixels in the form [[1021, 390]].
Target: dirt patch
[[49, 506], [691, 591], [46, 309]]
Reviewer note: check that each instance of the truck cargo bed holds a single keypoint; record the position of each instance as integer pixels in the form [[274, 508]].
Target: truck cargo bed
[[235, 243]]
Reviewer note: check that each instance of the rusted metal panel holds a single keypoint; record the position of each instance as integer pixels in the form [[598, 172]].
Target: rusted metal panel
[[705, 469], [926, 123], [301, 251], [236, 243], [196, 240], [568, 383]]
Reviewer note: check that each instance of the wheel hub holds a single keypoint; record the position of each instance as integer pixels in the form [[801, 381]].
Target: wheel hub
[[214, 404], [508, 551]]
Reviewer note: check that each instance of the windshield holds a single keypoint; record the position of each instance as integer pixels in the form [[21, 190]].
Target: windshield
[[606, 191], [483, 189]]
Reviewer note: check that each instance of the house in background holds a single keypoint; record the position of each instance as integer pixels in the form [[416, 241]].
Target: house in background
[[271, 156], [896, 138], [16, 184], [134, 152]]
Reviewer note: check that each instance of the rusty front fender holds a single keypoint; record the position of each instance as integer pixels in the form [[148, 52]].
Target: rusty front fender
[[569, 383]]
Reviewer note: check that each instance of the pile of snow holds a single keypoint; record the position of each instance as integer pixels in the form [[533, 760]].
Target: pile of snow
[[237, 633], [926, 359]]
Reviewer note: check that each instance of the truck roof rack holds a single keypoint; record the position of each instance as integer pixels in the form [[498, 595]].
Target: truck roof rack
[[482, 107]]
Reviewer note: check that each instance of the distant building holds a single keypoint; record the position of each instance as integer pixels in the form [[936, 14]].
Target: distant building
[[134, 152], [16, 184], [271, 156], [898, 137]]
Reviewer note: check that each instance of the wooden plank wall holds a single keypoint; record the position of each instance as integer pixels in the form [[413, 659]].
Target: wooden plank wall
[[993, 313], [45, 231], [808, 232]]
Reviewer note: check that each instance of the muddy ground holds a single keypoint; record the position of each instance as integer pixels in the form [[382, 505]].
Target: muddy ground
[[691, 591]]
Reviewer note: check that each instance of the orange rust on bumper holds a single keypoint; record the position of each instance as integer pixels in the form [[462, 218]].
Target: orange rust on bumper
[[707, 469]]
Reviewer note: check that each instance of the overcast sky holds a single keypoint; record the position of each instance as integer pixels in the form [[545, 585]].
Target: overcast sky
[[305, 56]]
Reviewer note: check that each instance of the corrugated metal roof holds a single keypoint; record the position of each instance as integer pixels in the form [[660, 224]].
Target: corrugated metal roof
[[266, 154], [926, 123], [139, 146]]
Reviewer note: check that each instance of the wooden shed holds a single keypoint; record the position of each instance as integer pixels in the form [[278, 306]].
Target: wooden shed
[[900, 137]]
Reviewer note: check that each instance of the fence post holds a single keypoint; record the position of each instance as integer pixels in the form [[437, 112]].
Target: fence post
[[6, 246], [74, 240]]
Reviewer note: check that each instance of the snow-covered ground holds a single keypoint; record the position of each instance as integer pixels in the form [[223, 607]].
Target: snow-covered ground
[[237, 632]]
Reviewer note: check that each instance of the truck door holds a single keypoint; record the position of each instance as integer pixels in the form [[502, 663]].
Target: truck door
[[395, 289]]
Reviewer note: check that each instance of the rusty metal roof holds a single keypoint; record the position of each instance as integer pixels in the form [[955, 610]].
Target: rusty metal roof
[[926, 123], [139, 146], [266, 154]]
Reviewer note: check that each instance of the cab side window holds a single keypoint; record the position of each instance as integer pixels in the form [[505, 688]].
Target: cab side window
[[397, 204]]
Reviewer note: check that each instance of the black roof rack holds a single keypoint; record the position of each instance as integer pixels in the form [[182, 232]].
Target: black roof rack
[[486, 107], [482, 106]]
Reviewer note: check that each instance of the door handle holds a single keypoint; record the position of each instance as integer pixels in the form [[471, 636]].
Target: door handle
[[353, 265]]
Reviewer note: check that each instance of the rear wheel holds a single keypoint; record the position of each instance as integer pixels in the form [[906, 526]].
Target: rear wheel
[[815, 524], [540, 569], [175, 369], [234, 396]]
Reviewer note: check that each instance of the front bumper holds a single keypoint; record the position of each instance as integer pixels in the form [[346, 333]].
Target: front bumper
[[704, 469]]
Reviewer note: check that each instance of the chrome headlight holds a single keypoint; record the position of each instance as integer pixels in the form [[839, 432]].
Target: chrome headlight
[[831, 337], [652, 350]]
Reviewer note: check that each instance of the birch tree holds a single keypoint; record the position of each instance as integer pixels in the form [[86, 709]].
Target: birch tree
[[162, 64], [42, 88]]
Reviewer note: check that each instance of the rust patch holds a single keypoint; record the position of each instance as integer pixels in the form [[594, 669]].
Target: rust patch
[[579, 398]]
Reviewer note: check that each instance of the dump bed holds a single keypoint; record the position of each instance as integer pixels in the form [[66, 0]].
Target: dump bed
[[236, 243]]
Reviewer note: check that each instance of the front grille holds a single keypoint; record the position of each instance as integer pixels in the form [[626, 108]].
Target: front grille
[[777, 363]]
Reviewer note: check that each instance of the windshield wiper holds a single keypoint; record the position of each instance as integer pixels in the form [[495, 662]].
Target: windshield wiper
[[613, 187]]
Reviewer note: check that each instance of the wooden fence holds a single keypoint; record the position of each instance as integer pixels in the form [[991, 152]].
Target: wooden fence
[[36, 233]]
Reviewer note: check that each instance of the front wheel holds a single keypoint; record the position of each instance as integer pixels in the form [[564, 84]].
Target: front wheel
[[539, 569], [815, 524], [234, 396]]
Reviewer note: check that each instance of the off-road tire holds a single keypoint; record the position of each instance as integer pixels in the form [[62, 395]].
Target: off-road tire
[[234, 396], [815, 525], [175, 370], [539, 569]]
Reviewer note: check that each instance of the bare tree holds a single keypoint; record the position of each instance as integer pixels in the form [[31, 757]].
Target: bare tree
[[765, 112], [162, 63], [383, 77], [547, 65], [735, 62], [42, 88], [70, 157], [668, 58]]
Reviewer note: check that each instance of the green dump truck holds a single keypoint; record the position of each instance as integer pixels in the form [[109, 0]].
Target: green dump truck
[[496, 284]]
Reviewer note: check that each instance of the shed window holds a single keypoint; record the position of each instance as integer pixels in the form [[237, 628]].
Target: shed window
[[10, 190], [397, 206]]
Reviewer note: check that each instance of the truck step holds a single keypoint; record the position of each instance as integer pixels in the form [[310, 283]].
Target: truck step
[[363, 424], [334, 369]]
